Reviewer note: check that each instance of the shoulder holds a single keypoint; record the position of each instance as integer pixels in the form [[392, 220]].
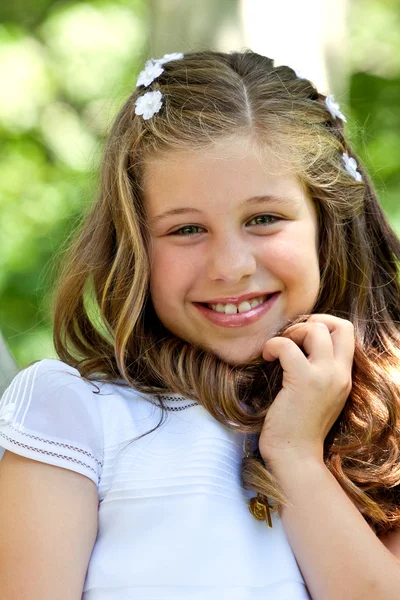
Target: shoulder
[[49, 387], [50, 413], [40, 375]]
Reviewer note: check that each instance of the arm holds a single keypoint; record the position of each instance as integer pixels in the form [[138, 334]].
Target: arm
[[338, 553], [48, 526]]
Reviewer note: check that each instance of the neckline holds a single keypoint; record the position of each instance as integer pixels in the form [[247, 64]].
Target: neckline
[[173, 400], [170, 399]]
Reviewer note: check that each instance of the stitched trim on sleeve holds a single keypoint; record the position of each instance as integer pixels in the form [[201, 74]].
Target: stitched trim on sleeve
[[48, 453], [54, 443]]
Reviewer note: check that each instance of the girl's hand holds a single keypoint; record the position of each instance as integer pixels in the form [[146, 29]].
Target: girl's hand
[[314, 390]]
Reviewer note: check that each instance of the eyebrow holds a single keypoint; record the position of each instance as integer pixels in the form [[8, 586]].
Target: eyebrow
[[279, 200]]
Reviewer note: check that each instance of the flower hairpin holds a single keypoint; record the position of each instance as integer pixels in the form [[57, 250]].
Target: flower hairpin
[[151, 71], [333, 108], [150, 103], [168, 57], [350, 164], [153, 68]]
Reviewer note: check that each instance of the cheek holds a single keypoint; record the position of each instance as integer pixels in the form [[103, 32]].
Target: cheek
[[295, 262], [171, 275], [291, 255]]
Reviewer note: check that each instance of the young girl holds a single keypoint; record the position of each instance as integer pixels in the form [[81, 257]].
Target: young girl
[[225, 410]]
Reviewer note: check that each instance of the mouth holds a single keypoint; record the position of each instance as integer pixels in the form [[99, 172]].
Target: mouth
[[239, 313], [232, 308]]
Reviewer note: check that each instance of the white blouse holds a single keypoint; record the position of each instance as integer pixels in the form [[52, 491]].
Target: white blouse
[[174, 520]]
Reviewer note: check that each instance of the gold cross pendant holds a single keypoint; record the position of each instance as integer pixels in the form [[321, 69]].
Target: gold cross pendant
[[261, 510], [258, 506]]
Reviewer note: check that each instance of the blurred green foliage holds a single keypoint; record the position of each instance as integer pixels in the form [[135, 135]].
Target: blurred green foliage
[[65, 69], [374, 95]]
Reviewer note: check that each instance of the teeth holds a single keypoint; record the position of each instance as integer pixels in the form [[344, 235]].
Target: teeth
[[243, 306], [232, 309]]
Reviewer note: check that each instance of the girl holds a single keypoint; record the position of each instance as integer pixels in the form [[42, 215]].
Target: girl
[[225, 410]]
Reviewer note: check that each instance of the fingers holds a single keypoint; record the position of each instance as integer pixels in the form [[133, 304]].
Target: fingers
[[342, 336], [315, 338], [288, 353], [323, 337]]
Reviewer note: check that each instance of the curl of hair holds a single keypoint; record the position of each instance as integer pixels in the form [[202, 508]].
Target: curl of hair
[[104, 321]]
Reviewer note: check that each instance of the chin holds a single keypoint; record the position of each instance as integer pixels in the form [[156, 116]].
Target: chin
[[237, 357], [239, 361]]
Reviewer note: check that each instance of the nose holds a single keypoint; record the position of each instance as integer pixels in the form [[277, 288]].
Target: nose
[[230, 260]]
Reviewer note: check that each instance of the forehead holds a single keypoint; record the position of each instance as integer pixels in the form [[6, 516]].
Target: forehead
[[231, 166]]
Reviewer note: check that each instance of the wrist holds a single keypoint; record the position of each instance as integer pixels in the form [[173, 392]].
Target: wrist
[[291, 456]]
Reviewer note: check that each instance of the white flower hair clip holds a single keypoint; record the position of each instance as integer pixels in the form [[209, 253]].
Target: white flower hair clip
[[148, 104], [150, 72], [153, 68], [333, 108], [350, 164], [168, 57]]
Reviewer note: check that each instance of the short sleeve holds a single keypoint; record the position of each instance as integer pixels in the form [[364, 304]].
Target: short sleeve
[[50, 414]]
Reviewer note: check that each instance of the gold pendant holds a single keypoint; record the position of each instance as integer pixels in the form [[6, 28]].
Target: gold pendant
[[260, 509], [258, 506]]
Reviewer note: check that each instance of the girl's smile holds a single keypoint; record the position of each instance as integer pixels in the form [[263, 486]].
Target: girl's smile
[[234, 247], [235, 313]]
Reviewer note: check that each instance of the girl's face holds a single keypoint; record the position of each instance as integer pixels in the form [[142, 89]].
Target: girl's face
[[229, 234]]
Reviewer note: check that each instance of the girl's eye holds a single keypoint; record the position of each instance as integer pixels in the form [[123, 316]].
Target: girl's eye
[[191, 230], [263, 220], [186, 231]]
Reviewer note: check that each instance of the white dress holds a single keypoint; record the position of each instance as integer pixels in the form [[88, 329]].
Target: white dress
[[174, 521]]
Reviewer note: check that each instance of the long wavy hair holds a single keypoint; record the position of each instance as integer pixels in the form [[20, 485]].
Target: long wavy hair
[[104, 321]]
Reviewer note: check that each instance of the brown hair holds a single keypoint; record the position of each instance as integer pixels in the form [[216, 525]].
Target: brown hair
[[104, 322]]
